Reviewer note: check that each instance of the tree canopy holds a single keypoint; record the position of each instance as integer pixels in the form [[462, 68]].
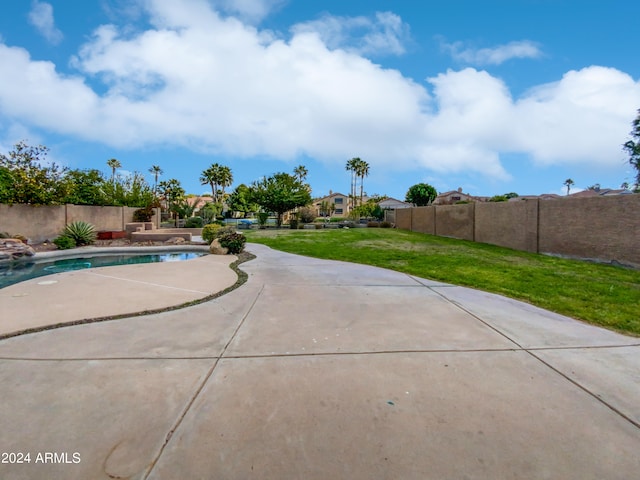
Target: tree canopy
[[632, 147], [280, 193], [421, 194]]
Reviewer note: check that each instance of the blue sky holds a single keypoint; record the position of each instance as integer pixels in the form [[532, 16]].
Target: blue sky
[[490, 96]]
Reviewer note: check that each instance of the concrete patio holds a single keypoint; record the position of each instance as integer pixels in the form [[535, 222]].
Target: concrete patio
[[316, 369]]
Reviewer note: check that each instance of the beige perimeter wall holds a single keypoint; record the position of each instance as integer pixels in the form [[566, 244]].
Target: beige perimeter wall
[[40, 223], [600, 228]]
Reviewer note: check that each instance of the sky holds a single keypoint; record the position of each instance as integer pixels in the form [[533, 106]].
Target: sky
[[491, 96]]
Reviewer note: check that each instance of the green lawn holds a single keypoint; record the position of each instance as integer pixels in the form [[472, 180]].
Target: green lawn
[[601, 294]]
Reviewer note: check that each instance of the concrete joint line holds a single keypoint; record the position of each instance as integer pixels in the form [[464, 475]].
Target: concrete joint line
[[144, 283], [548, 365], [587, 391], [199, 389]]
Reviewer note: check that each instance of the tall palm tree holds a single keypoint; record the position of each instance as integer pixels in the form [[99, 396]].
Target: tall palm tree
[[362, 170], [352, 166], [300, 172], [217, 176], [156, 171], [567, 183], [114, 164]]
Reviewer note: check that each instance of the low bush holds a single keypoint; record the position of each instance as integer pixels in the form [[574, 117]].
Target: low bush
[[307, 214], [83, 233], [193, 222], [385, 225], [64, 243], [373, 224], [209, 232], [143, 214], [293, 224], [233, 241]]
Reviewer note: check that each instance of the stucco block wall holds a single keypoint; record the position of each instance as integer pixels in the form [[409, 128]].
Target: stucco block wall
[[424, 219], [38, 223], [104, 218], [455, 221], [604, 228], [403, 218], [508, 224]]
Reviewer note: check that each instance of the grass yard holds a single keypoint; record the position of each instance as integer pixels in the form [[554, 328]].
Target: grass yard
[[600, 294]]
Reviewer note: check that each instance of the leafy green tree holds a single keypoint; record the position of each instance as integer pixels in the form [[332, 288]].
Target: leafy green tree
[[240, 200], [280, 193], [369, 209], [85, 187], [29, 178], [217, 177], [6, 185], [421, 194], [171, 193], [632, 147]]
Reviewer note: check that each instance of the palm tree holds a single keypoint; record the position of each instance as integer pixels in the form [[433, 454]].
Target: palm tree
[[114, 164], [156, 171], [362, 170], [352, 166], [300, 172], [567, 183], [217, 176]]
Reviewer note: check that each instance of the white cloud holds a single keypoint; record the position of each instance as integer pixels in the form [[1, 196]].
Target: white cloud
[[491, 56], [383, 35], [41, 17], [217, 85]]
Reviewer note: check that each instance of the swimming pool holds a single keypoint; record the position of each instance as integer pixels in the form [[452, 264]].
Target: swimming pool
[[16, 272]]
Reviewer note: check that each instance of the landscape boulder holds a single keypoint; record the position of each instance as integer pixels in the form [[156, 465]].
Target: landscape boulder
[[217, 249], [13, 248]]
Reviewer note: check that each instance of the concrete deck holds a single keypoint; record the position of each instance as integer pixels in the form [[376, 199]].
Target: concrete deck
[[317, 369]]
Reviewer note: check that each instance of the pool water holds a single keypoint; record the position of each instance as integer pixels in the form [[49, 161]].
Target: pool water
[[20, 271]]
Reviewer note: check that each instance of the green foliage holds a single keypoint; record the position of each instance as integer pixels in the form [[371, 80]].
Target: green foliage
[[632, 147], [86, 187], [233, 241], [26, 177], [209, 232], [209, 212], [144, 214], [240, 200], [63, 242], [280, 193], [218, 177], [385, 225], [369, 209], [498, 198], [193, 222], [293, 224], [262, 218], [83, 233], [421, 194]]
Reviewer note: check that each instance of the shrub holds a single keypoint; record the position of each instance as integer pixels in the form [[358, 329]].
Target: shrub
[[385, 225], [293, 224], [373, 224], [307, 214], [233, 241], [262, 219], [82, 233], [209, 232], [143, 214], [193, 222], [64, 243], [225, 230]]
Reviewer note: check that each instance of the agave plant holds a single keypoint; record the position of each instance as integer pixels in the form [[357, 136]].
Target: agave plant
[[82, 232]]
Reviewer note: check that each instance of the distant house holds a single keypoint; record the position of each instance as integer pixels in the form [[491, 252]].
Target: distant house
[[392, 204], [338, 205], [602, 192], [454, 196]]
